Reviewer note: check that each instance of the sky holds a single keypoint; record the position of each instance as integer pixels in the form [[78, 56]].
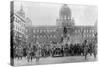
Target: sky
[[47, 13]]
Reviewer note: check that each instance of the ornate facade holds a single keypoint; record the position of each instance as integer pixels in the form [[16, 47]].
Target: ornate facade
[[65, 29], [19, 27]]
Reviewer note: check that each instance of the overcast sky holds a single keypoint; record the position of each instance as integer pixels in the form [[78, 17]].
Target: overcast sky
[[47, 13]]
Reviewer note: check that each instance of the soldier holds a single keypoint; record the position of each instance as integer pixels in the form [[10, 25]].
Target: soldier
[[38, 53], [86, 48]]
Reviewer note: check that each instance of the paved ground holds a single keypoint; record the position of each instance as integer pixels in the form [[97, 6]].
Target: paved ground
[[51, 60]]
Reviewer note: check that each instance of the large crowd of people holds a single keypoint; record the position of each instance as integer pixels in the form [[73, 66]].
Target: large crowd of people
[[38, 51]]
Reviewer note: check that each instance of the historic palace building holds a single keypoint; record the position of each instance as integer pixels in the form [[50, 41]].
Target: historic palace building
[[19, 26], [64, 31]]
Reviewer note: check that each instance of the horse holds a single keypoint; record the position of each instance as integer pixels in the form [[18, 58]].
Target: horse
[[90, 48], [93, 49]]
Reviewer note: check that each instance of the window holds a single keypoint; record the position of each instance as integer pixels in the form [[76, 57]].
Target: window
[[75, 31], [87, 35], [44, 30], [40, 31], [34, 36], [54, 36], [34, 31], [19, 22], [78, 31], [37, 36], [18, 28], [50, 35], [84, 35], [84, 31], [93, 35], [44, 36], [15, 19], [15, 27], [26, 30], [40, 35], [48, 31], [53, 30], [87, 30], [37, 30], [92, 30]]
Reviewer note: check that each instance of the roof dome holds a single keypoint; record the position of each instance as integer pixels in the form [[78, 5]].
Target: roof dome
[[65, 11]]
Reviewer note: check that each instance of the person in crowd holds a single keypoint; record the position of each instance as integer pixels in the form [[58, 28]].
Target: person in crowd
[[38, 53]]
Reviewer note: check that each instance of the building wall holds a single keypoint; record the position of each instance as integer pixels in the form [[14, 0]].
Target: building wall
[[19, 29], [76, 34], [19, 24], [82, 33], [44, 34]]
